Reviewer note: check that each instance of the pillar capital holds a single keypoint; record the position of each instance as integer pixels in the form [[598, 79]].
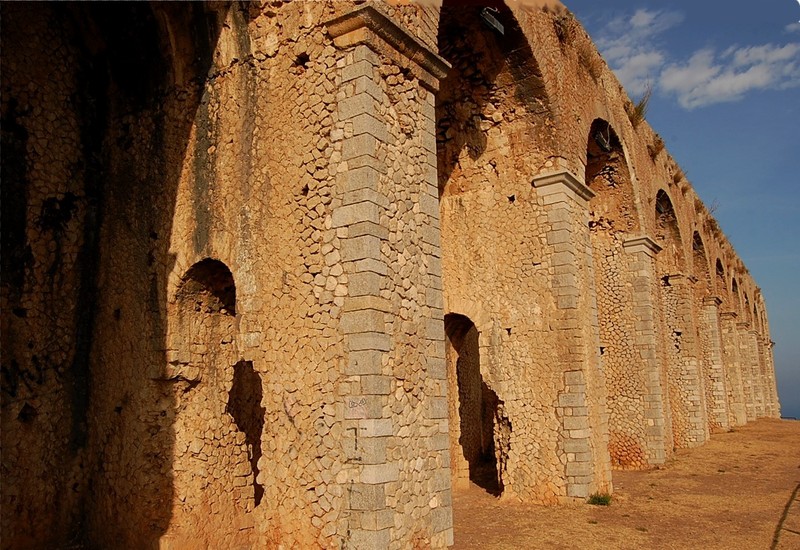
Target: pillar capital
[[367, 25], [712, 301], [564, 182], [641, 244]]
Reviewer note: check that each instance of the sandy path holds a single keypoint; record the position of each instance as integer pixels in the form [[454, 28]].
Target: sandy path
[[731, 493]]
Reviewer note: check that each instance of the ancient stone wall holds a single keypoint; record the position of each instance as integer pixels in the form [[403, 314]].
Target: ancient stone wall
[[288, 273]]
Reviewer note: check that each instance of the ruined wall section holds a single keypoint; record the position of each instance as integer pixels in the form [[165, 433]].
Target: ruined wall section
[[45, 203]]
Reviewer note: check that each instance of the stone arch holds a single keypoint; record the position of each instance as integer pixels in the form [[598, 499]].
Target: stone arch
[[479, 432], [680, 342], [736, 298], [709, 337], [668, 234], [748, 314], [218, 415], [607, 174], [495, 86], [613, 221], [700, 264], [720, 287]]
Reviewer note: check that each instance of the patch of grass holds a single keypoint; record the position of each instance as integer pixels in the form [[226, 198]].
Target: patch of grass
[[637, 112], [678, 176], [656, 147], [599, 499], [563, 26], [590, 60]]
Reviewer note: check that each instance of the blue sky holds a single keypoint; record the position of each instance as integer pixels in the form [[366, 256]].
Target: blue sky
[[726, 99]]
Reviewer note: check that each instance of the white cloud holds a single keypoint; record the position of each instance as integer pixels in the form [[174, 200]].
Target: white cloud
[[631, 46], [792, 27], [707, 78], [628, 44]]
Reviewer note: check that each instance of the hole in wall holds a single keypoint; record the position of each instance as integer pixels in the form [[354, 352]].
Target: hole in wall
[[302, 60], [27, 414], [244, 405], [512, 199]]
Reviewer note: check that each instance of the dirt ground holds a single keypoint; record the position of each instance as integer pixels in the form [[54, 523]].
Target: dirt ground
[[739, 491]]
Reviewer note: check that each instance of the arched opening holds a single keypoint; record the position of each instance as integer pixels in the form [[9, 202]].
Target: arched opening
[[700, 263], [478, 441], [219, 419], [721, 287], [607, 174], [747, 312], [493, 97], [613, 220], [681, 345], [668, 234], [735, 297], [208, 287]]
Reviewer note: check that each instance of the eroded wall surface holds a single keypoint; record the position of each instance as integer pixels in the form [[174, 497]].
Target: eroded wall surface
[[288, 273]]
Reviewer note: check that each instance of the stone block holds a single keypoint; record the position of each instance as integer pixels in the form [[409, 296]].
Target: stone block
[[429, 205], [358, 69], [364, 362], [380, 473], [437, 368], [359, 407], [434, 329], [365, 123], [368, 228], [361, 145], [361, 539], [441, 519], [364, 177], [359, 248], [365, 194], [575, 422], [372, 451], [368, 264], [437, 407], [578, 490], [572, 378], [356, 303], [356, 105], [375, 427], [364, 284], [571, 400], [364, 496], [376, 385], [369, 341], [368, 320], [376, 521]]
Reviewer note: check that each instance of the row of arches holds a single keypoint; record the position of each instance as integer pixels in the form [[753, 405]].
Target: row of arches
[[677, 322]]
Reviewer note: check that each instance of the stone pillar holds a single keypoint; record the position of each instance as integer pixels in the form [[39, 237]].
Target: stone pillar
[[687, 395], [380, 485], [746, 369], [642, 251], [733, 369], [716, 388], [775, 406], [581, 405], [759, 379]]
